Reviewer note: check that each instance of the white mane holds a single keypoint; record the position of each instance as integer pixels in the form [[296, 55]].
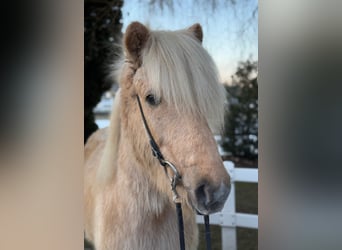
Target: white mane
[[181, 71]]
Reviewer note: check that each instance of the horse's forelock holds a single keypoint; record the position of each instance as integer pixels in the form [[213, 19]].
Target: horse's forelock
[[180, 69]]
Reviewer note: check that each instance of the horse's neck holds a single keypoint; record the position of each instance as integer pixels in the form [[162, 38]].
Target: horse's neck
[[139, 185], [152, 214]]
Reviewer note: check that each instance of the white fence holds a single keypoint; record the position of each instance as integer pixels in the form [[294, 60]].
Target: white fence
[[228, 218]]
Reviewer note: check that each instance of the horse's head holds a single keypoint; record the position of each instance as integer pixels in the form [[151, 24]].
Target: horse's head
[[176, 81]]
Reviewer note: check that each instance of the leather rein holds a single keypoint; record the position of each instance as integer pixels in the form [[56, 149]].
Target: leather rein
[[175, 179]]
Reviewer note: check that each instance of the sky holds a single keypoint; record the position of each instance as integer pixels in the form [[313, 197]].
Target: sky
[[221, 27]]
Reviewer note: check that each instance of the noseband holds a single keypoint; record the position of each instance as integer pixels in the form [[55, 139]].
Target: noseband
[[175, 179]]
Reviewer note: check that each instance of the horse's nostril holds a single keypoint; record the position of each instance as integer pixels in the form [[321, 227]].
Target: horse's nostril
[[203, 194], [211, 198]]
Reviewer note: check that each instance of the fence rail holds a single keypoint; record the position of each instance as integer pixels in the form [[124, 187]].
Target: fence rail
[[228, 218]]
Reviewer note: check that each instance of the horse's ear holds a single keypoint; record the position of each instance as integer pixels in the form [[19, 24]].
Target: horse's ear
[[135, 39], [196, 30]]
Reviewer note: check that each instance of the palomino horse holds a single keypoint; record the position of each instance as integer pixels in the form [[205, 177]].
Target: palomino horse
[[128, 200]]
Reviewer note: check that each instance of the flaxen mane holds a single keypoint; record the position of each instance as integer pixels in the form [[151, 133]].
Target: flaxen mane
[[187, 80], [110, 154]]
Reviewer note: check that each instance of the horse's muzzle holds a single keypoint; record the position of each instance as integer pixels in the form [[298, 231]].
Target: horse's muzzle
[[210, 199]]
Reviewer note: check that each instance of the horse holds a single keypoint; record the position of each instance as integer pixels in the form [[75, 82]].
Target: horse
[[128, 199]]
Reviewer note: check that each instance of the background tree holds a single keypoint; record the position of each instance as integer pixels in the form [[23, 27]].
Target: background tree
[[241, 122], [102, 34]]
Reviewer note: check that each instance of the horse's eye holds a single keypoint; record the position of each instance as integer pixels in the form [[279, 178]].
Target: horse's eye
[[152, 100]]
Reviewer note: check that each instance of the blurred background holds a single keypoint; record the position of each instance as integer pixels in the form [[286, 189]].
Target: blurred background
[[230, 30]]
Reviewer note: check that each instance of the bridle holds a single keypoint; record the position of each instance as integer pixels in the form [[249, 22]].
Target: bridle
[[175, 179]]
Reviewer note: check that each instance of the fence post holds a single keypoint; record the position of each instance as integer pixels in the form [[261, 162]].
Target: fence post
[[229, 229]]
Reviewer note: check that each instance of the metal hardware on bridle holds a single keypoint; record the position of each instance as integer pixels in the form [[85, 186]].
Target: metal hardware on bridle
[[174, 179]]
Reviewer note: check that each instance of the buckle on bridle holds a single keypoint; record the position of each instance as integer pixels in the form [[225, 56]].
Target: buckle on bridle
[[175, 179]]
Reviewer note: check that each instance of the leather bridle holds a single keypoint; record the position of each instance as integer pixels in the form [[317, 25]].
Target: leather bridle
[[175, 179]]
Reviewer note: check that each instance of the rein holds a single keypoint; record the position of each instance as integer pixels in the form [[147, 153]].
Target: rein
[[175, 180]]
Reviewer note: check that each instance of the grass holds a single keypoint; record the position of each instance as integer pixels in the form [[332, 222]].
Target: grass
[[247, 202], [247, 239], [215, 237]]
